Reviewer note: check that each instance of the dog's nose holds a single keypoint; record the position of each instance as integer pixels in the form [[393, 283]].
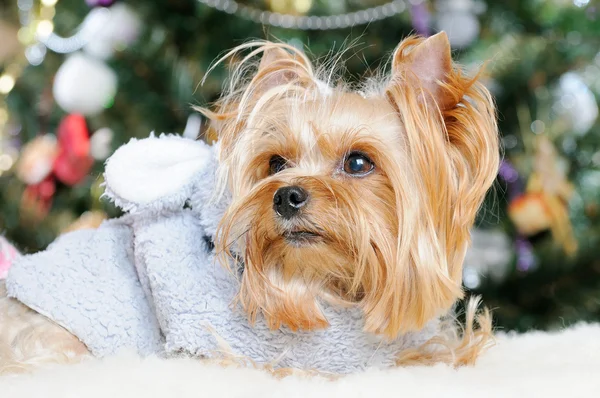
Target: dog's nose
[[288, 201]]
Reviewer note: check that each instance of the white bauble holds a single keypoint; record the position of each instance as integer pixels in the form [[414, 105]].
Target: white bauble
[[575, 104], [84, 85], [111, 29], [100, 143]]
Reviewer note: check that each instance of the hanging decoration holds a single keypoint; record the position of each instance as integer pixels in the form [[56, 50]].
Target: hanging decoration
[[114, 30], [74, 161], [305, 22], [46, 160], [544, 205], [525, 257], [68, 158], [84, 85], [293, 7]]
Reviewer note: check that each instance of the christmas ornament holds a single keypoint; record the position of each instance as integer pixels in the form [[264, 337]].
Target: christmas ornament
[[100, 3], [115, 29], [575, 108], [304, 22], [37, 159], [84, 85], [37, 200], [531, 213], [544, 205], [524, 250], [88, 220], [8, 254], [73, 161], [100, 143], [459, 20]]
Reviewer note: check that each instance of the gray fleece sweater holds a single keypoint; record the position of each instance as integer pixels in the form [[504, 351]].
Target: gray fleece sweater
[[148, 281]]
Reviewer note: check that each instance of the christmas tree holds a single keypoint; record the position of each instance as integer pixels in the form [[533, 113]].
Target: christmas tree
[[79, 78]]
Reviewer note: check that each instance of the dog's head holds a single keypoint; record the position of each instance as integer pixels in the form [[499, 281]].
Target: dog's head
[[358, 198]]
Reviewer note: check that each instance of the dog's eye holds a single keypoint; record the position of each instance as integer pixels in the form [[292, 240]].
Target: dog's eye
[[358, 164], [276, 164]]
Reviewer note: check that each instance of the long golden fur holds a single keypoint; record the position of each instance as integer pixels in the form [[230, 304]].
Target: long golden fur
[[391, 241]]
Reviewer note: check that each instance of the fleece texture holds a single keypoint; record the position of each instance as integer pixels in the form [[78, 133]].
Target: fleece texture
[[148, 282], [535, 364]]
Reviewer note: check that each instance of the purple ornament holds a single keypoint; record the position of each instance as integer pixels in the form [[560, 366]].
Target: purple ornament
[[100, 3], [525, 255], [420, 18]]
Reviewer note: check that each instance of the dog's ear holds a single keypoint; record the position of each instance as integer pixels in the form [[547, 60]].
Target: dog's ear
[[425, 65], [449, 127], [272, 60], [281, 65]]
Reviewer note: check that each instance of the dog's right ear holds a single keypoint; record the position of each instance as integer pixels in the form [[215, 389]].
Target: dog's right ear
[[280, 65]]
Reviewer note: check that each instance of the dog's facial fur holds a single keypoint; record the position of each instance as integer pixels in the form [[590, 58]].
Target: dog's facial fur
[[391, 179]]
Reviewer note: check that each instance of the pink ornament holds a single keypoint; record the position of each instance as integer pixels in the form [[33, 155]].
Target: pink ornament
[[8, 254]]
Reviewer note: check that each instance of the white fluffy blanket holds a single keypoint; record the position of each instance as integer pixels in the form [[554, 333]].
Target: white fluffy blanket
[[536, 364]]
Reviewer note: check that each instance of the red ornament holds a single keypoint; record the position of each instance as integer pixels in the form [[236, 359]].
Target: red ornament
[[73, 162]]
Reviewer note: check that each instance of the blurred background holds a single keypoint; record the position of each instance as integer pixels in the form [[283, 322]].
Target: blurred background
[[78, 78]]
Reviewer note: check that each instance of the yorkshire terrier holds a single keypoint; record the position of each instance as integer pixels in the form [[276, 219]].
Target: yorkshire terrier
[[359, 196]]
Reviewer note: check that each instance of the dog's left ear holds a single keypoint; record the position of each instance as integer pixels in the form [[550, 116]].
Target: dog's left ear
[[449, 127], [426, 66]]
